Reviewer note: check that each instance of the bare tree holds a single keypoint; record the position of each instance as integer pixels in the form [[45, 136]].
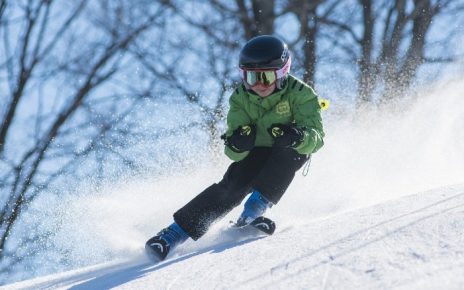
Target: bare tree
[[308, 17], [55, 49], [257, 19], [213, 50], [2, 8], [392, 44]]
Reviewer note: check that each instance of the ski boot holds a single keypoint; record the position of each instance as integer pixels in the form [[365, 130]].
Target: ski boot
[[166, 240], [255, 207]]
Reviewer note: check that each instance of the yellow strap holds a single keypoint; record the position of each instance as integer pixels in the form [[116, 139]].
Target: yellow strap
[[324, 104]]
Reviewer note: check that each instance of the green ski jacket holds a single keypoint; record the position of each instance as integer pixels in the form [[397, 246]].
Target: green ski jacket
[[296, 103]]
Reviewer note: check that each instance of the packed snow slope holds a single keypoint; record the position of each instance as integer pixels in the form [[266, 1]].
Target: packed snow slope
[[414, 242], [328, 234]]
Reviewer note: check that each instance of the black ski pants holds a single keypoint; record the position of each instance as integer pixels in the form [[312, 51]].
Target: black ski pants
[[268, 170]]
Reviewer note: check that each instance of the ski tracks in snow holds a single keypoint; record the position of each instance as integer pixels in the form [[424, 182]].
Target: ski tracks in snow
[[415, 242], [407, 244]]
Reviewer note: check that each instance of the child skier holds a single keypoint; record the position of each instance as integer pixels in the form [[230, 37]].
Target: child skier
[[274, 124]]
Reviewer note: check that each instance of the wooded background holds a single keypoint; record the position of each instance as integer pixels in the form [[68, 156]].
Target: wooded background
[[79, 80]]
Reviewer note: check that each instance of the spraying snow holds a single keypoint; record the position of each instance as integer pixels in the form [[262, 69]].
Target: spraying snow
[[376, 157], [414, 242]]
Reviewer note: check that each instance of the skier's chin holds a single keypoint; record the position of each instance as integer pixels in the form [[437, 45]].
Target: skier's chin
[[263, 91]]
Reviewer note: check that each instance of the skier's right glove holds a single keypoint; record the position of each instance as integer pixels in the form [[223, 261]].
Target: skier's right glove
[[242, 139]]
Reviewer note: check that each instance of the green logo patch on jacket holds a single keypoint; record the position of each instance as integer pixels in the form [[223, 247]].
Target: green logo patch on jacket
[[283, 108]]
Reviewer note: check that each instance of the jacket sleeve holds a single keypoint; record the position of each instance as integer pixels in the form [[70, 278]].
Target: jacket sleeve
[[307, 114], [236, 117]]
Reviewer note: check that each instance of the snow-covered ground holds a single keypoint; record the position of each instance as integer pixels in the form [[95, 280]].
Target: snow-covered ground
[[381, 208], [414, 242]]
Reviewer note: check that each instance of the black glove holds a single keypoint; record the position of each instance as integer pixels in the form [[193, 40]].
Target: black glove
[[286, 135], [242, 139]]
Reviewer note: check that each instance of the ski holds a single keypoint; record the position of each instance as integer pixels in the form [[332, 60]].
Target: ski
[[156, 249], [262, 224], [265, 225]]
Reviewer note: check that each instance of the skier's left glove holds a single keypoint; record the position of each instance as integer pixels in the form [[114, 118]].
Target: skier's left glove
[[286, 136]]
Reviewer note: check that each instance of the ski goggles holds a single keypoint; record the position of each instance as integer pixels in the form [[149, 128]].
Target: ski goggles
[[265, 77]]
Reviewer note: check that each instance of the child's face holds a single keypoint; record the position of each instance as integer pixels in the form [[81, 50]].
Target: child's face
[[262, 90]]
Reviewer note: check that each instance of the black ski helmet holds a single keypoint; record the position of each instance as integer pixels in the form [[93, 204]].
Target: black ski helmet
[[266, 52]]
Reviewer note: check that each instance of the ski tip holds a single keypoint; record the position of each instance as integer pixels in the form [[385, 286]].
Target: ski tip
[[265, 225], [156, 249]]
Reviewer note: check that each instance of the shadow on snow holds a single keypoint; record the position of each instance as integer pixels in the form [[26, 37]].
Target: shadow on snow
[[126, 274]]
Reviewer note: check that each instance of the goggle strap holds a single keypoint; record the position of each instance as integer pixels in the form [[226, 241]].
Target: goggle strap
[[285, 69], [242, 73]]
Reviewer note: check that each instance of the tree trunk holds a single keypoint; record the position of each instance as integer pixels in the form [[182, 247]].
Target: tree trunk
[[367, 77]]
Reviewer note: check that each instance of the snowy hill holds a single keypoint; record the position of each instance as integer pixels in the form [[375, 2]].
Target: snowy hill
[[351, 223], [414, 242]]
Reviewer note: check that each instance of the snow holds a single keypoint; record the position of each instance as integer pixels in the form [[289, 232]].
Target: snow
[[381, 208], [414, 242]]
